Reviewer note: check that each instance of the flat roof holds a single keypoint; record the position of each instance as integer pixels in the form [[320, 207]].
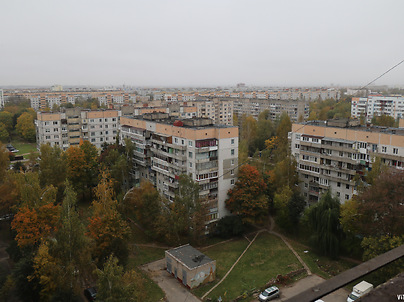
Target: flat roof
[[377, 129], [189, 256], [170, 121]]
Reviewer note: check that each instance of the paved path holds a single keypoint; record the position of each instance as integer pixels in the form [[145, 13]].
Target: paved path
[[305, 283], [173, 289]]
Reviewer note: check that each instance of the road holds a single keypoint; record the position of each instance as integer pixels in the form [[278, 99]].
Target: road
[[173, 289], [303, 284]]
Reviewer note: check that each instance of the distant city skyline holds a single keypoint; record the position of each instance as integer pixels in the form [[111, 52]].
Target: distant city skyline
[[201, 43]]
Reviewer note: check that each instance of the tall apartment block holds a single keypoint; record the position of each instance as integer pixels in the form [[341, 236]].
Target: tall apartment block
[[219, 110], [330, 154], [1, 99], [67, 128], [377, 105], [295, 109], [165, 148]]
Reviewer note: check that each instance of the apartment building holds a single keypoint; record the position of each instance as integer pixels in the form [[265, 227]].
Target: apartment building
[[377, 105], [254, 106], [216, 109], [1, 99], [65, 129], [47, 99], [165, 148], [330, 154]]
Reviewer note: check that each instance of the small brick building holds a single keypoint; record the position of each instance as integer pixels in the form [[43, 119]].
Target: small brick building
[[190, 266]]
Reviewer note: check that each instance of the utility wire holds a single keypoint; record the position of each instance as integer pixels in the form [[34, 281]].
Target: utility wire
[[381, 75]]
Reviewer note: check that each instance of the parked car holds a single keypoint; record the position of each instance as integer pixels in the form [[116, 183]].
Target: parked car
[[11, 148], [269, 294], [90, 293]]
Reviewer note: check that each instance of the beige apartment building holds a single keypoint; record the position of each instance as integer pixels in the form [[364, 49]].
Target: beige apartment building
[[65, 129], [330, 154], [166, 147]]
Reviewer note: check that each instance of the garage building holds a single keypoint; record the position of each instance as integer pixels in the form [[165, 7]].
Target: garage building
[[190, 266]]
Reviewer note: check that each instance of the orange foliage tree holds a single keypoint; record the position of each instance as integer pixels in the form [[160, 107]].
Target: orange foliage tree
[[33, 224], [247, 198]]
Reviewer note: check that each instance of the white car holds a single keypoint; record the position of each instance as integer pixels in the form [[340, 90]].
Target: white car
[[269, 294]]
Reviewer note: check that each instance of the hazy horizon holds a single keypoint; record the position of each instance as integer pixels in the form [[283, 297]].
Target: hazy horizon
[[201, 43]]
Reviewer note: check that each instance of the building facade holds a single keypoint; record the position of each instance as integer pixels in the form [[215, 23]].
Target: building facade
[[1, 99], [377, 105], [253, 106], [165, 148], [65, 129], [330, 155]]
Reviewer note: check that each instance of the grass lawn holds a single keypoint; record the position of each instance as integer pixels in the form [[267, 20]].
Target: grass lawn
[[321, 265], [154, 292], [267, 257], [141, 255], [225, 255], [24, 147]]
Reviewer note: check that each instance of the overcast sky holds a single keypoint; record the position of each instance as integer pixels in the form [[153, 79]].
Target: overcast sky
[[201, 42]]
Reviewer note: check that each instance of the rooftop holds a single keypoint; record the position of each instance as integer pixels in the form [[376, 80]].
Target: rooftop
[[164, 118], [353, 125], [189, 256]]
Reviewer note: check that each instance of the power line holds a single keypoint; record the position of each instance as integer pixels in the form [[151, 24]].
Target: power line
[[381, 75]]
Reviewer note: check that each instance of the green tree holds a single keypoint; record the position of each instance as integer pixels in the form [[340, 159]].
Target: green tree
[[4, 135], [52, 166], [71, 246], [282, 145], [106, 226], [323, 219], [115, 285], [186, 215], [7, 119], [144, 204], [374, 246], [26, 127]]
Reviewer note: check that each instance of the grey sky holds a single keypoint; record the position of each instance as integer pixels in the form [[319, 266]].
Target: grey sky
[[200, 43]]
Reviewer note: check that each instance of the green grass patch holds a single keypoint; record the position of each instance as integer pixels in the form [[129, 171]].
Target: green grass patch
[[154, 292], [321, 265], [225, 255], [24, 147], [267, 257], [141, 255]]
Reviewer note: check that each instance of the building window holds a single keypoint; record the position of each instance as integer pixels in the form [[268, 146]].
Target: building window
[[176, 140], [182, 142], [384, 149], [47, 137], [93, 140], [338, 194], [232, 181], [232, 152], [190, 154], [232, 141], [395, 150], [346, 196], [232, 161], [347, 186], [338, 184], [190, 164], [232, 172]]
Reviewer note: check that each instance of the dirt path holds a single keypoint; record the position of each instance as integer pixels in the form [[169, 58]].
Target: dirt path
[[234, 264], [271, 231]]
